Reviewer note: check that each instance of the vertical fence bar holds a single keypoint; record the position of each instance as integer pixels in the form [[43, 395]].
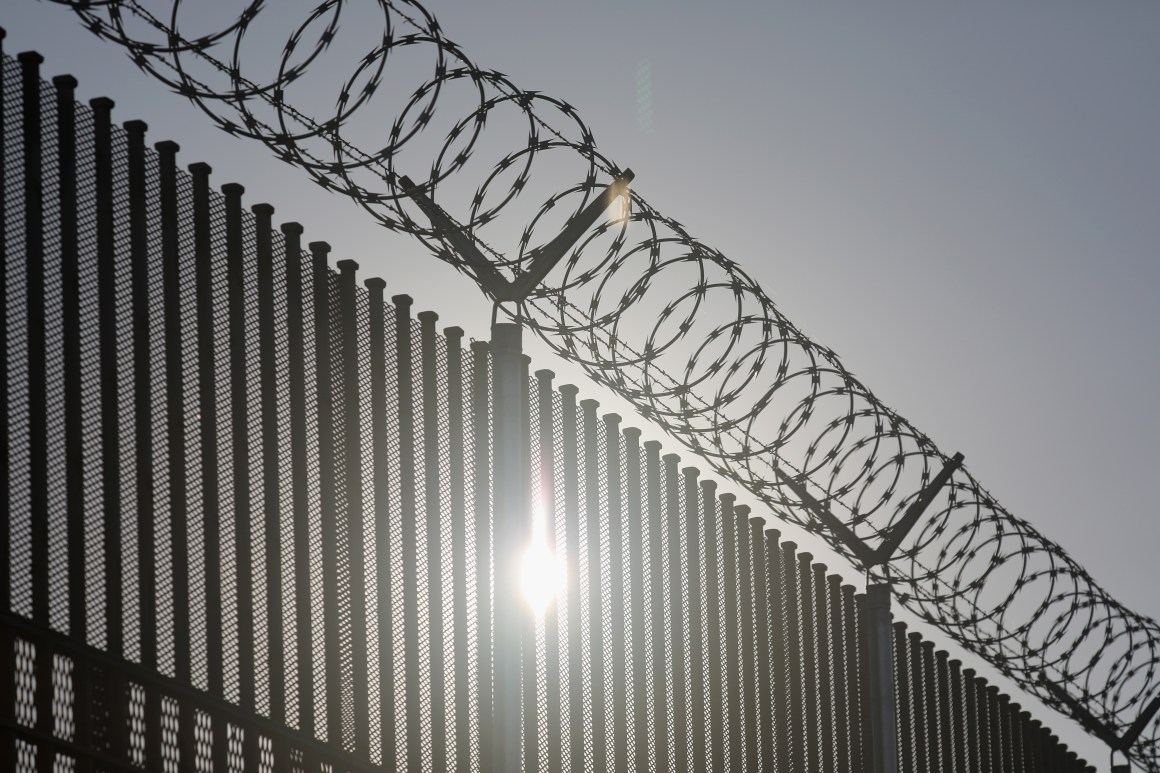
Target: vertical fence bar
[[989, 746], [825, 696], [880, 680], [327, 505], [598, 727], [748, 645], [529, 652], [547, 499], [839, 646], [511, 531], [114, 688], [930, 704], [7, 686], [779, 677], [410, 536], [731, 597], [994, 729], [946, 741], [809, 661], [34, 325], [958, 717], [240, 448], [481, 432], [634, 499], [65, 88], [299, 476], [1010, 758], [793, 618], [693, 566], [715, 656], [677, 624], [143, 431], [352, 448], [383, 555], [1018, 754], [207, 410], [37, 397], [271, 466], [7, 643], [970, 710], [1035, 744], [902, 686], [457, 499], [176, 438], [570, 443], [919, 693], [761, 583], [656, 530], [855, 673], [432, 486], [616, 592]]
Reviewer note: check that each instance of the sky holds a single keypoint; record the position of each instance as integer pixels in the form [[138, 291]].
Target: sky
[[961, 199]]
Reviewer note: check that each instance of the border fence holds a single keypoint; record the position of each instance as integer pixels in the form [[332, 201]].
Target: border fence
[[248, 522]]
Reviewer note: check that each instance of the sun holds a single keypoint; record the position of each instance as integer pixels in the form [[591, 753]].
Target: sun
[[543, 576]]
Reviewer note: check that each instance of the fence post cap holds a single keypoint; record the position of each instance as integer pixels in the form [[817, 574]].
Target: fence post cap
[[263, 209]]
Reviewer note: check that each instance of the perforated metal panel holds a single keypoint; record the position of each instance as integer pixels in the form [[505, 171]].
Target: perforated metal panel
[[248, 523]]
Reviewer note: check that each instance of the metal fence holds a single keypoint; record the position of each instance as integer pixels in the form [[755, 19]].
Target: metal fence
[[248, 522]]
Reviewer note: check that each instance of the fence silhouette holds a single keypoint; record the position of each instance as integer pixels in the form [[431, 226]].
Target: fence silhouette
[[248, 522]]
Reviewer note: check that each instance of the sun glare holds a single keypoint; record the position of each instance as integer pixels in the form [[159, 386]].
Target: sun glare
[[542, 576], [621, 209]]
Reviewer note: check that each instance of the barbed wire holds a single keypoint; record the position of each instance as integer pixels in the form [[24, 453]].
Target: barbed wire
[[671, 325]]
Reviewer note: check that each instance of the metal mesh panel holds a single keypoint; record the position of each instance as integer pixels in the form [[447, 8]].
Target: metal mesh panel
[[314, 588]]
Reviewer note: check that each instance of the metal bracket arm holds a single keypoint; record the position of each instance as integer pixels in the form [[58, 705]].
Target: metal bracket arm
[[543, 259], [917, 508], [1120, 744], [867, 556], [485, 273]]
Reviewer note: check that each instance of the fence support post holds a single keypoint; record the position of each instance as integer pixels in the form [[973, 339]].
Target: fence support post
[[511, 525], [880, 681]]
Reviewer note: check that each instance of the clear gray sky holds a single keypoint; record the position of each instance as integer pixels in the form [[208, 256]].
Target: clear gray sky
[[961, 199]]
